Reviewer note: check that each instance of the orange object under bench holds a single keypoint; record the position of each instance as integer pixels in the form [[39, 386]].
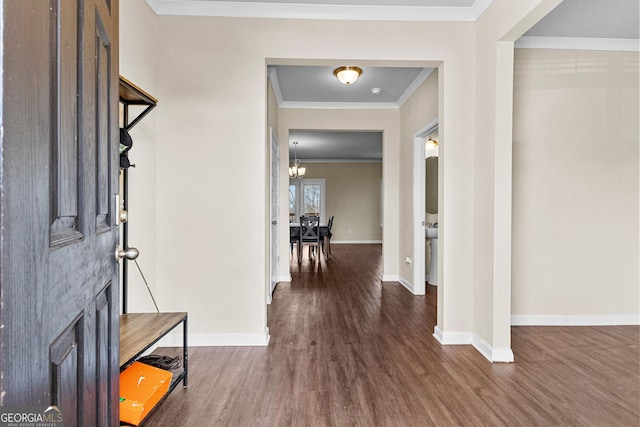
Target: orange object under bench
[[141, 388]]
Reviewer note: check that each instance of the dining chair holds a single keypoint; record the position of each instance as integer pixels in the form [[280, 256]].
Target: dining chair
[[309, 235], [294, 237], [329, 234]]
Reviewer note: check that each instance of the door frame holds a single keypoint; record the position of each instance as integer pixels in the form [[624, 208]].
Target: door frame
[[419, 206], [274, 201]]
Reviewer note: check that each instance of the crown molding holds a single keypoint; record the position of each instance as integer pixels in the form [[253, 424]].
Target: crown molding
[[341, 105], [417, 82], [248, 9], [275, 85], [575, 43], [347, 160], [479, 7]]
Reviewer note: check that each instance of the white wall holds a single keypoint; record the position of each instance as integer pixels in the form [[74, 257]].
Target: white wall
[[575, 193], [213, 96], [419, 110], [272, 112], [497, 29], [139, 64], [211, 123]]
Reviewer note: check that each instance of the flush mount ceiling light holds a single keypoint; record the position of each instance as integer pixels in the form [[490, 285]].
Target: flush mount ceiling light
[[347, 75]]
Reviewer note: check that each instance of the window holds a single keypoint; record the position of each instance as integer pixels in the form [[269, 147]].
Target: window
[[306, 197]]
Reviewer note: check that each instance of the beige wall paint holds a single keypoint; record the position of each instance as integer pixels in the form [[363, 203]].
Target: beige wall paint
[[139, 64], [575, 177], [214, 109], [212, 118], [419, 110], [352, 192], [497, 29], [272, 111]]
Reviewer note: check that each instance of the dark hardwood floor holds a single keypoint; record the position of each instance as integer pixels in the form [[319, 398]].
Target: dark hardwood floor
[[349, 350]]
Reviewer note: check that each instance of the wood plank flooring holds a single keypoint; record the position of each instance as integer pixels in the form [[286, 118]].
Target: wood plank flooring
[[349, 350]]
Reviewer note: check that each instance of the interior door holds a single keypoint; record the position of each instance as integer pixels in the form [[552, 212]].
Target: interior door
[[274, 182], [58, 176]]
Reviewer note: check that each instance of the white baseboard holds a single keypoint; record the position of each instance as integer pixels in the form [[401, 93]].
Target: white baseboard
[[437, 334], [502, 355], [452, 337], [404, 282], [466, 338], [356, 242], [482, 346], [574, 320], [396, 278], [217, 340], [492, 354], [284, 278]]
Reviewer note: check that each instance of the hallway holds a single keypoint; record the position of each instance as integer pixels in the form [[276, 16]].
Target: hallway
[[347, 349]]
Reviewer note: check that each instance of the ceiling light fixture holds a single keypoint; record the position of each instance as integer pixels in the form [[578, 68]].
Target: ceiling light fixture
[[347, 75], [295, 171]]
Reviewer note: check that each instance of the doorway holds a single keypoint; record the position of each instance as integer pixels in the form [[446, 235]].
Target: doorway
[[354, 117], [419, 206]]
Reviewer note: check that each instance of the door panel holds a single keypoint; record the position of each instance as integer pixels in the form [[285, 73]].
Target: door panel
[[64, 20], [58, 275], [104, 321], [67, 372], [103, 126]]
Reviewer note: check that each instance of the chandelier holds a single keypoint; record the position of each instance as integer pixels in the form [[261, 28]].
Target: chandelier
[[295, 171]]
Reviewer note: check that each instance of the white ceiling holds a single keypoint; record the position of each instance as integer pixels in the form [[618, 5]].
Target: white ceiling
[[574, 24], [603, 19]]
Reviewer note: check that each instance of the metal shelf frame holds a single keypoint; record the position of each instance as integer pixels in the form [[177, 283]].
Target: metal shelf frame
[[130, 94]]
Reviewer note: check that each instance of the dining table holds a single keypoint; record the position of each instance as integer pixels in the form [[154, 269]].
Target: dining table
[[294, 232]]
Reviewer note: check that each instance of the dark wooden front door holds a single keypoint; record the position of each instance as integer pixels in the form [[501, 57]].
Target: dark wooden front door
[[59, 283]]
